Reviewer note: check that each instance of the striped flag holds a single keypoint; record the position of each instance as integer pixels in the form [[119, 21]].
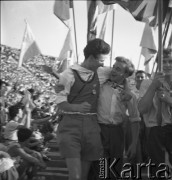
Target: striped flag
[[29, 47], [95, 7], [141, 9], [61, 10]]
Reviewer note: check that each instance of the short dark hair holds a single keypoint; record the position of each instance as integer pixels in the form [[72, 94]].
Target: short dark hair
[[140, 72], [130, 66], [24, 134], [96, 47], [14, 110]]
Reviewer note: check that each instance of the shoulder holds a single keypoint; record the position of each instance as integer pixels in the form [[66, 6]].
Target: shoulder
[[66, 76], [103, 74], [12, 125], [14, 146], [104, 70]]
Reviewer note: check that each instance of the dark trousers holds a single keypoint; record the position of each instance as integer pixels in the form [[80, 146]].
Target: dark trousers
[[112, 137], [159, 141]]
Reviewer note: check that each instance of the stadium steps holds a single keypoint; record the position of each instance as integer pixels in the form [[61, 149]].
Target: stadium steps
[[56, 168]]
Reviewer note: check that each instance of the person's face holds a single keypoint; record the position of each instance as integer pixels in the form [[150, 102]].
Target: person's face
[[99, 60], [118, 73], [167, 65], [139, 77]]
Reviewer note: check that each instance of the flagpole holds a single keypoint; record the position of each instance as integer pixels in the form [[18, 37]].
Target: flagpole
[[72, 5], [166, 30], [160, 49], [112, 43], [139, 60]]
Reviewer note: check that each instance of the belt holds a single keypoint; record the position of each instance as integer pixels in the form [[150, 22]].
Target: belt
[[79, 113], [110, 125]]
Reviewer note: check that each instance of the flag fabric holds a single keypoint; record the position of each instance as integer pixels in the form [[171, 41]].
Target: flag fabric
[[29, 47], [170, 41], [63, 65], [95, 7], [141, 9], [149, 48], [103, 28], [61, 10], [66, 56]]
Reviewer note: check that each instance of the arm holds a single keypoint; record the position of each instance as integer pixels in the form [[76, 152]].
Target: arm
[[43, 120], [50, 71], [135, 126], [28, 157], [146, 102], [26, 120]]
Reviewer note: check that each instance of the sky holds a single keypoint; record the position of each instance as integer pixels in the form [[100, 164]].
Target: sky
[[50, 32]]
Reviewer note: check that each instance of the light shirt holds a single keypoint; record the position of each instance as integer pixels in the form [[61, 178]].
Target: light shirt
[[67, 79], [6, 164], [150, 117], [10, 132], [111, 110]]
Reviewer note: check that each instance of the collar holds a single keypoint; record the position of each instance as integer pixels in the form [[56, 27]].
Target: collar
[[81, 69], [115, 85]]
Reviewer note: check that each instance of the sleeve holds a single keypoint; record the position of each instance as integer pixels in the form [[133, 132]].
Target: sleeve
[[12, 125], [103, 74], [67, 80], [144, 86], [134, 115]]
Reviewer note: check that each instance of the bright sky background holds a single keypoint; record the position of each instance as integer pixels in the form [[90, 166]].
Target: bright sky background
[[50, 32]]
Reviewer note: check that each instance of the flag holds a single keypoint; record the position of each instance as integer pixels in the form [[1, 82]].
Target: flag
[[61, 10], [170, 41], [148, 45], [141, 9], [66, 56], [103, 29], [63, 65], [95, 7], [29, 47]]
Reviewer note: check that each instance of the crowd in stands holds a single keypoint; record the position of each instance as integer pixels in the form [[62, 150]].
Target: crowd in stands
[[27, 121], [25, 129]]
